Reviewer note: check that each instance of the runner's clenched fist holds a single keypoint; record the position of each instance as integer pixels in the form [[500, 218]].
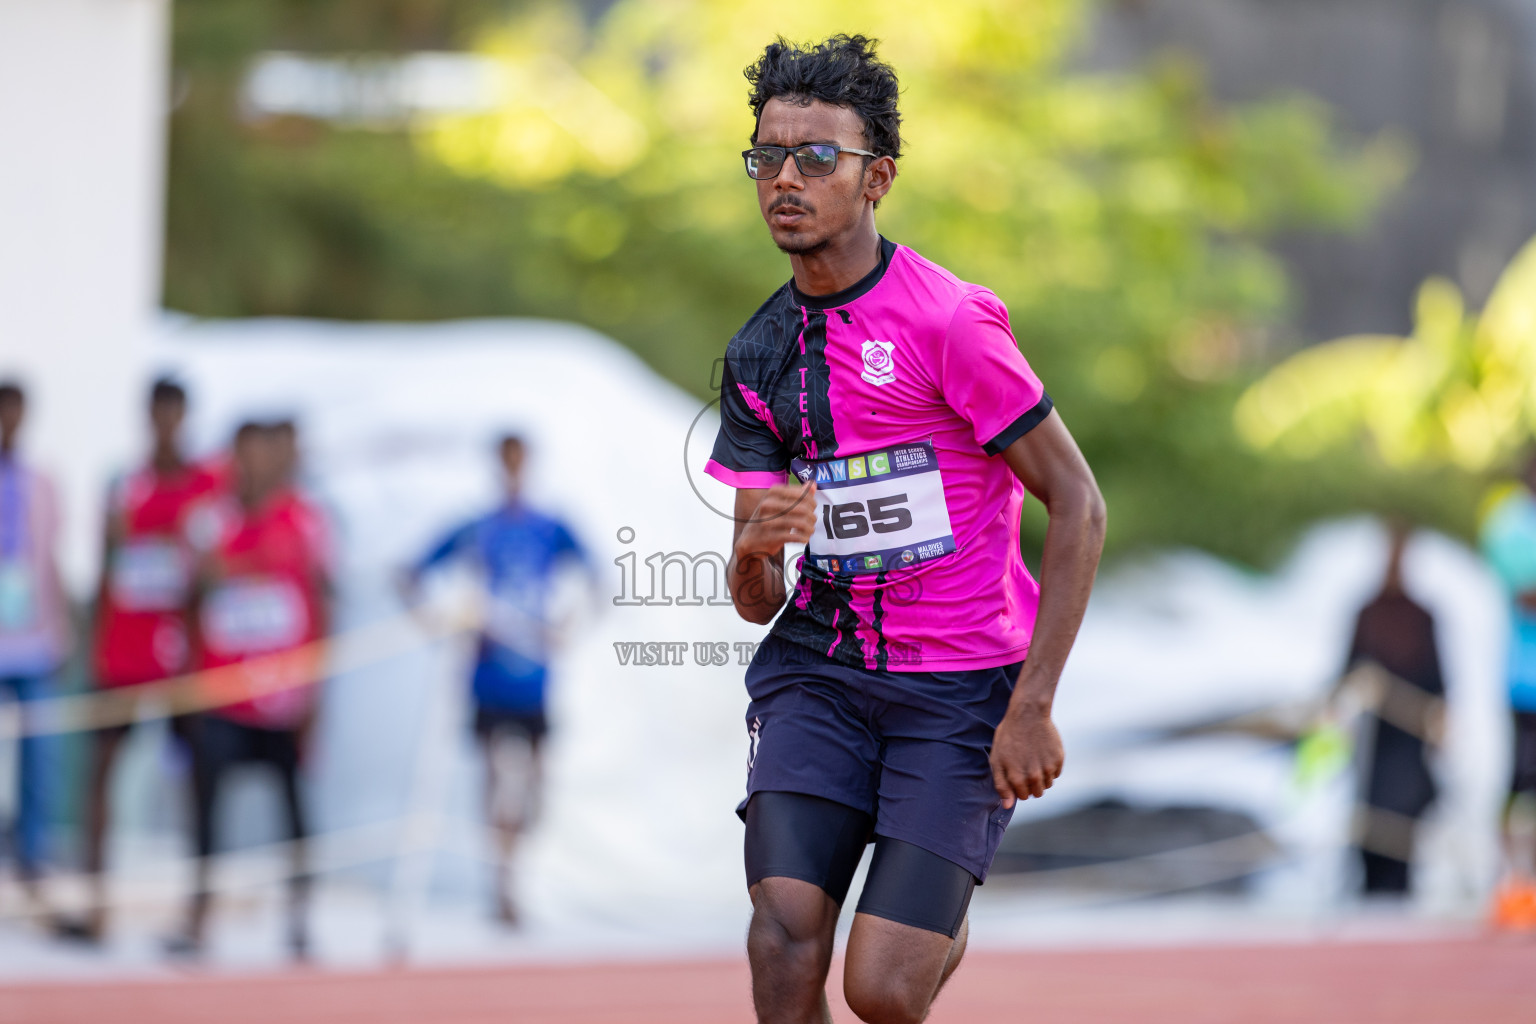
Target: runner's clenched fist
[[786, 515]]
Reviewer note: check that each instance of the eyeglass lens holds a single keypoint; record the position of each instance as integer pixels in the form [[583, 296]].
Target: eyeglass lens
[[816, 160], [813, 160]]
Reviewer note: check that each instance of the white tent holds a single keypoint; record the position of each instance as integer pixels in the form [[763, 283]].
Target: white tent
[[83, 98]]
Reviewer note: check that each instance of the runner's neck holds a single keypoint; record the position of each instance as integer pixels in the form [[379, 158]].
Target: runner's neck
[[858, 288], [167, 460], [839, 267], [254, 500]]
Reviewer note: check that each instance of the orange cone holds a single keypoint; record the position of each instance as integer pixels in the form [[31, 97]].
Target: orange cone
[[1514, 906]]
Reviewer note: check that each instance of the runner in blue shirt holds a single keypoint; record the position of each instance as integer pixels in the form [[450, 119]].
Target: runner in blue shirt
[[1509, 543], [516, 551]]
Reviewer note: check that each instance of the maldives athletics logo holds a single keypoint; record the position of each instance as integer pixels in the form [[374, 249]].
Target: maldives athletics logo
[[879, 367]]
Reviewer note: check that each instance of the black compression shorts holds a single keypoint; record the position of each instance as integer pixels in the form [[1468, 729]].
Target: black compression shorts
[[792, 835], [489, 721], [1524, 776]]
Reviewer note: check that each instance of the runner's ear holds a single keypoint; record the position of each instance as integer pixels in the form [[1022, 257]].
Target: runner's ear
[[879, 174]]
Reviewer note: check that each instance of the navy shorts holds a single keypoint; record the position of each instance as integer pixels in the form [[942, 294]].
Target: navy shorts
[[910, 749]]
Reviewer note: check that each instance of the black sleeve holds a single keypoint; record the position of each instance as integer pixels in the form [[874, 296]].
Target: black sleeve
[[748, 450], [1021, 426]]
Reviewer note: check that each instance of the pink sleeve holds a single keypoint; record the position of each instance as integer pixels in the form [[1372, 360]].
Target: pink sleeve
[[985, 378], [744, 478]]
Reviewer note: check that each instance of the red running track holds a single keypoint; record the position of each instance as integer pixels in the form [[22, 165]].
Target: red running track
[[1485, 982]]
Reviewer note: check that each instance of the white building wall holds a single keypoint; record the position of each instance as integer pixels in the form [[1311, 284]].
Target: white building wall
[[83, 91]]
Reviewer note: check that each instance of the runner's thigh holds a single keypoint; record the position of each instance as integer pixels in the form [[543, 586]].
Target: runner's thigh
[[935, 788]]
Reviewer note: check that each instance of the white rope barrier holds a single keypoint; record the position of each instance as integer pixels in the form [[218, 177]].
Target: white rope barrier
[[256, 867], [411, 839], [210, 689]]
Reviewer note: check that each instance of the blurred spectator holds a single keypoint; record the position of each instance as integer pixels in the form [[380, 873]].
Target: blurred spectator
[[285, 436], [33, 621], [141, 633], [1509, 543], [260, 595], [1394, 642], [515, 552]]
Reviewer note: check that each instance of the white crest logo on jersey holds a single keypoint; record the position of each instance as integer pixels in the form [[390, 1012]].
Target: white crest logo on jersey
[[879, 366]]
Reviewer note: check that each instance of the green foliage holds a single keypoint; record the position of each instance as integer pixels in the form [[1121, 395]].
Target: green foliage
[[1122, 218], [1457, 398]]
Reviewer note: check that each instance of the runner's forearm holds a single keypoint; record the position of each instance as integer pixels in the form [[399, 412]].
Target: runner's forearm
[[104, 578], [766, 520], [1074, 538], [757, 586]]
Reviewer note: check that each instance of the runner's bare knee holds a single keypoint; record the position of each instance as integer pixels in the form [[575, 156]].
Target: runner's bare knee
[[888, 998], [793, 915]]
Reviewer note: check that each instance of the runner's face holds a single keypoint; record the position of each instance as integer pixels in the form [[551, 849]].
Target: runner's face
[[259, 462], [512, 464], [805, 214], [165, 418], [285, 446]]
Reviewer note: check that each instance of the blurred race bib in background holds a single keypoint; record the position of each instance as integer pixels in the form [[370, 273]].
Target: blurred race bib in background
[[150, 574], [255, 616]]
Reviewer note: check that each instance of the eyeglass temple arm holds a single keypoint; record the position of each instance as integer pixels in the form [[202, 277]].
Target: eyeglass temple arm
[[792, 149]]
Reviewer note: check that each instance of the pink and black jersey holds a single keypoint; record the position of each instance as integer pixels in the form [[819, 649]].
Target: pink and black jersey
[[896, 395]]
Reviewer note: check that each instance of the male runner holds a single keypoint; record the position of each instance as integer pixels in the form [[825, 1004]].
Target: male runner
[[259, 595], [34, 623], [1509, 543], [141, 603], [515, 551], [898, 696]]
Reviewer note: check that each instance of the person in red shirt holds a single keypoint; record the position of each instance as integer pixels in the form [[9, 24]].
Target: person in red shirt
[[259, 604], [140, 633]]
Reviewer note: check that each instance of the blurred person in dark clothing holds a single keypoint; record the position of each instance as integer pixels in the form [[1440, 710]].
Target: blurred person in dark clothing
[[515, 552], [1394, 643], [141, 599], [34, 632], [260, 595], [1509, 544]]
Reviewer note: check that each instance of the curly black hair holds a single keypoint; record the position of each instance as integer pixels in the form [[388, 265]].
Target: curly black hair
[[843, 71]]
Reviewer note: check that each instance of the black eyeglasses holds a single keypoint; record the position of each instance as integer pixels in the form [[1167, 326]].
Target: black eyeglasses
[[814, 159]]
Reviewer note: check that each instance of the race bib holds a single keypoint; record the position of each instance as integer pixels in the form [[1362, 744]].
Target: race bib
[[18, 598], [150, 574], [255, 617], [878, 511]]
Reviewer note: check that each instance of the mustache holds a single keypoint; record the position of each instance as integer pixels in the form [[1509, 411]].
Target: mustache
[[783, 201]]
